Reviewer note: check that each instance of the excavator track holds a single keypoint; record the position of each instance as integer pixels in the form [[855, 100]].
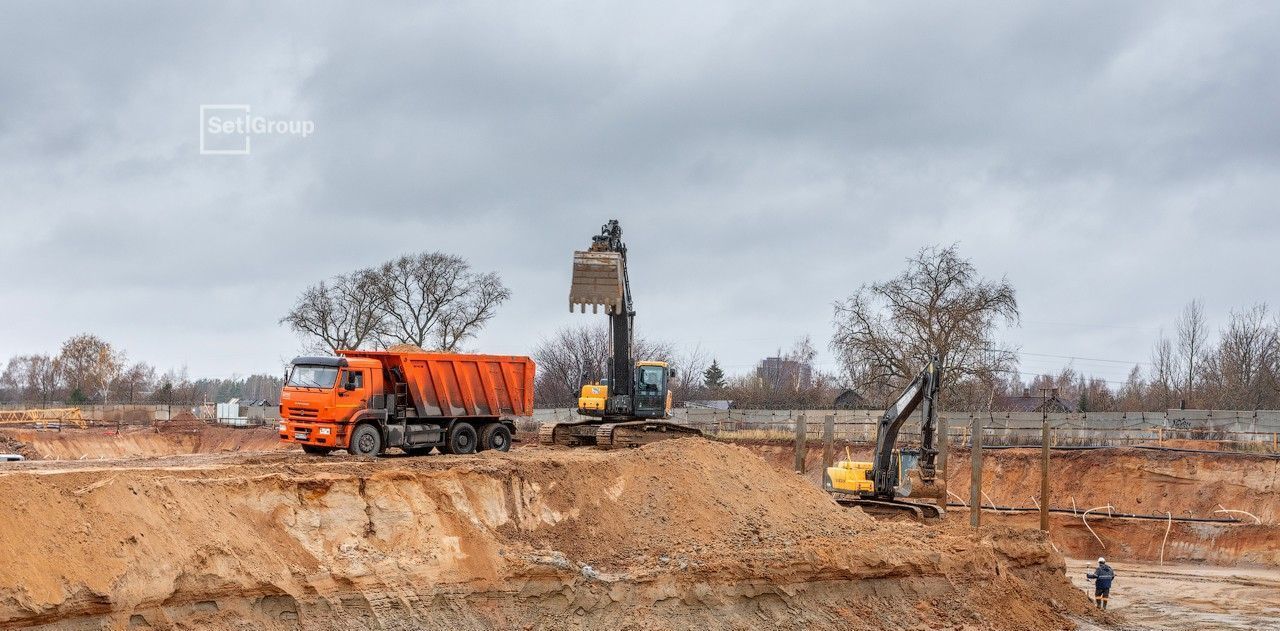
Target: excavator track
[[570, 434], [882, 506], [637, 433]]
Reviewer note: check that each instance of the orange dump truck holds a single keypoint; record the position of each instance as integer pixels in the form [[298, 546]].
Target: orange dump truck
[[369, 401]]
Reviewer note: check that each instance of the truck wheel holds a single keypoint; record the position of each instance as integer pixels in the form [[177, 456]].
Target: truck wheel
[[461, 439], [365, 441], [496, 436], [316, 450]]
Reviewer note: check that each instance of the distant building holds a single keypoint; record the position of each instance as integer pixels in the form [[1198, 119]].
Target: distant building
[[1031, 403], [778, 372], [850, 400]]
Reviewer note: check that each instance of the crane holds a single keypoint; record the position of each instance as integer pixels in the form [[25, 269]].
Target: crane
[[632, 404]]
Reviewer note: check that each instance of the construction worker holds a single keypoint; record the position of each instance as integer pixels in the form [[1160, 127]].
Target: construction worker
[[1102, 576]]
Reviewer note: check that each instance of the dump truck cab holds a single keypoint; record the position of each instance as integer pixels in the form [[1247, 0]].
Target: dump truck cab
[[323, 394], [369, 401], [652, 398]]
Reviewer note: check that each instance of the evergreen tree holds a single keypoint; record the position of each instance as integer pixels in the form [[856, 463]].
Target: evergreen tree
[[713, 377]]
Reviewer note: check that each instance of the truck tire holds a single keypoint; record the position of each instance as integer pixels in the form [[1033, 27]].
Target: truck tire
[[496, 436], [461, 439], [366, 441], [317, 450]]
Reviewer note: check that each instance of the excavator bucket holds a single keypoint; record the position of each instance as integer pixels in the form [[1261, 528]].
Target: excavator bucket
[[597, 281]]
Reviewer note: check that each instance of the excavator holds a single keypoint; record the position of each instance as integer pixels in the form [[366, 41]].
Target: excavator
[[894, 472], [630, 407]]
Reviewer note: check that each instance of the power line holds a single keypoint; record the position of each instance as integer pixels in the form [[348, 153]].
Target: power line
[[1074, 357]]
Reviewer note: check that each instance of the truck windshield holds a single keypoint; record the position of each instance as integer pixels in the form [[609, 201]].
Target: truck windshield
[[650, 379], [303, 376]]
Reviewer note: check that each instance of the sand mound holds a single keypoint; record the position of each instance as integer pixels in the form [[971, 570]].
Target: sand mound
[[681, 534], [94, 443], [11, 445]]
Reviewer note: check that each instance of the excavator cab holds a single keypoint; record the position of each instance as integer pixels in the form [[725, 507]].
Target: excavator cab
[[652, 398], [652, 391]]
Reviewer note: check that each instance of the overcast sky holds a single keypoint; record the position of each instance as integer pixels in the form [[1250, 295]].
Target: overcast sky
[[1113, 160]]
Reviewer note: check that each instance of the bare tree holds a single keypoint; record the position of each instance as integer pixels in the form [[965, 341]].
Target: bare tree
[[344, 312], [428, 300], [690, 366], [485, 292], [89, 364], [1238, 374], [175, 386], [1132, 395], [133, 382], [435, 298], [751, 391], [577, 353], [885, 332], [36, 378], [1164, 371], [1193, 334]]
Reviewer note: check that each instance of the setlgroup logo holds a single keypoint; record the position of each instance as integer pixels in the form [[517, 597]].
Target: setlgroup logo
[[228, 130]]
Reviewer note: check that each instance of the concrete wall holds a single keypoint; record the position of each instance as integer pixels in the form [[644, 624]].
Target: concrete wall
[[1260, 426]]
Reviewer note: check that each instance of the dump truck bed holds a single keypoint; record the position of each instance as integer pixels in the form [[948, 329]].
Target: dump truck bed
[[458, 385]]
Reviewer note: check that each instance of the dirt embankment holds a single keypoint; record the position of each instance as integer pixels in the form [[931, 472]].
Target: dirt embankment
[[680, 534], [167, 439], [1137, 481]]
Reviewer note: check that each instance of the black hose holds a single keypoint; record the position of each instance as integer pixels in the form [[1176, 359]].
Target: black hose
[[1111, 515], [1152, 448]]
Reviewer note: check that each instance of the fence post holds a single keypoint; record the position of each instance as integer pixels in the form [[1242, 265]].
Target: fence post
[[975, 479], [943, 469], [800, 443], [828, 440]]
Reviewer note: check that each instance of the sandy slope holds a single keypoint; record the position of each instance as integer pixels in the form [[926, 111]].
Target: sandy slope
[[682, 534]]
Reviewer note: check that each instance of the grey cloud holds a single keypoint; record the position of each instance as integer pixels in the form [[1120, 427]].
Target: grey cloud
[[1112, 160]]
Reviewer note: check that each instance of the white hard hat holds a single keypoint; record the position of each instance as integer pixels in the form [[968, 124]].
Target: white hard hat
[[1101, 560]]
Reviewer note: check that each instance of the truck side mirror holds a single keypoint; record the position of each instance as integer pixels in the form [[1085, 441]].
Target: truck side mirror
[[672, 374], [350, 384]]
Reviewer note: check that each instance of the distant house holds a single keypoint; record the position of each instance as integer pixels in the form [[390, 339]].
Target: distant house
[[1031, 403], [850, 400]]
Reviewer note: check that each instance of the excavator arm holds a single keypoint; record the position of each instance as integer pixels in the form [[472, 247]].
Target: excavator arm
[[922, 390], [600, 279]]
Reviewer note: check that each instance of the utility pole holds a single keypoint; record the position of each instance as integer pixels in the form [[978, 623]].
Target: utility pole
[[1044, 456]]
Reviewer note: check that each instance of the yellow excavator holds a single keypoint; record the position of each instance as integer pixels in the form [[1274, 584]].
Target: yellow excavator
[[630, 407], [895, 473]]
